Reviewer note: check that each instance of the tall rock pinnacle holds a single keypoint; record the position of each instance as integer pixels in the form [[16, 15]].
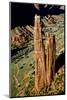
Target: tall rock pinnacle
[[44, 58], [40, 75]]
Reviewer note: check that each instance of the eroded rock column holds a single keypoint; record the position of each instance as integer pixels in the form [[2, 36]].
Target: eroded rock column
[[44, 58], [39, 57], [50, 51]]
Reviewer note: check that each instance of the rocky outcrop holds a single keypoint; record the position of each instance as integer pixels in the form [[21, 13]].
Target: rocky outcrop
[[20, 35], [50, 52], [39, 56], [44, 58]]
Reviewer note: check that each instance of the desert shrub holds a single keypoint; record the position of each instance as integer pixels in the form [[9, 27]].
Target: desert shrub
[[21, 67], [30, 64], [33, 72]]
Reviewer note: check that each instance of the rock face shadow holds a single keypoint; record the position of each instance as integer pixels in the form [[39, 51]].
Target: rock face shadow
[[19, 15], [60, 61]]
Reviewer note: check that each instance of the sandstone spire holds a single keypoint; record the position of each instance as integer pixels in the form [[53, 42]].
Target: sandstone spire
[[44, 58], [39, 56], [50, 48]]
